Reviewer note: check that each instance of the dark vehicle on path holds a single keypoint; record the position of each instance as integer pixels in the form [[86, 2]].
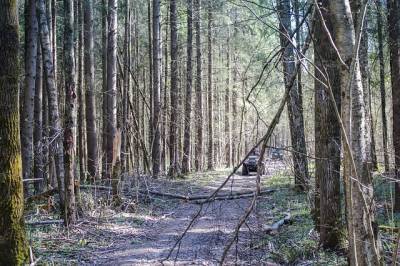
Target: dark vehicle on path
[[277, 154], [250, 164]]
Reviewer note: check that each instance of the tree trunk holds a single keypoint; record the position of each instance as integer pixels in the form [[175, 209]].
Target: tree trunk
[[228, 143], [394, 50], [188, 98], [360, 208], [31, 35], [382, 84], [173, 154], [104, 37], [111, 84], [38, 142], [365, 75], [156, 156], [55, 132], [210, 155], [91, 128], [327, 214], [13, 244], [198, 87], [295, 105], [70, 112]]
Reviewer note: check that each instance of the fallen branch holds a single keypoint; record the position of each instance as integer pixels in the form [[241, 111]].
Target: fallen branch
[[46, 222], [275, 226], [198, 199]]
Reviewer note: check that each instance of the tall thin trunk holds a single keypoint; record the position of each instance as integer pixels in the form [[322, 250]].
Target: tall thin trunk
[[295, 108], [104, 37], [210, 155], [13, 244], [81, 122], [173, 155], [394, 50], [55, 132], [111, 85], [327, 136], [189, 83], [91, 128], [360, 207], [228, 143], [151, 69], [31, 35], [198, 86], [70, 112], [382, 84], [38, 168], [156, 156]]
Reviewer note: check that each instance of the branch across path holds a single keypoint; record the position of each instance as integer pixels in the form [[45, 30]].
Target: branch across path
[[204, 242]]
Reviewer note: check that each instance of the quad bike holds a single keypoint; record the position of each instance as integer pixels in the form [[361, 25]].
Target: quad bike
[[250, 165]]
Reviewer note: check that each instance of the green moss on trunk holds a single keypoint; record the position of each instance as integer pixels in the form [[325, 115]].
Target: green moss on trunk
[[13, 246]]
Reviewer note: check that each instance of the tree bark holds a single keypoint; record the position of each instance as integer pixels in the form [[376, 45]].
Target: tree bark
[[38, 168], [198, 87], [295, 105], [327, 214], [111, 85], [210, 155], [104, 37], [360, 206], [394, 50], [189, 83], [173, 154], [91, 128], [70, 112], [31, 35], [156, 155], [228, 143], [382, 84], [13, 244]]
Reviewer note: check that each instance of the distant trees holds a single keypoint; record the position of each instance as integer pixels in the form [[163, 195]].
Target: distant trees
[[13, 244]]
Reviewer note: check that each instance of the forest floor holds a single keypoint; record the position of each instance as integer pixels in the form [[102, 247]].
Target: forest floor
[[144, 229]]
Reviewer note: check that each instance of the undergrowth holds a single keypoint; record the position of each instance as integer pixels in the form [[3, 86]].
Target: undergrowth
[[295, 243]]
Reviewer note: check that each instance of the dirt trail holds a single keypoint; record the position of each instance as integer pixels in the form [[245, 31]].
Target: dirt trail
[[205, 241]]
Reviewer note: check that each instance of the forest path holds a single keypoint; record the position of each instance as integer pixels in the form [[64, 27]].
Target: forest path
[[205, 241]]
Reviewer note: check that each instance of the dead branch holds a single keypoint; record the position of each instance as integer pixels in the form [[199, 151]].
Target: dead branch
[[197, 199], [46, 222]]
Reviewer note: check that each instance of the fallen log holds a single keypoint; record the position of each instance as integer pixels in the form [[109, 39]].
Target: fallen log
[[275, 226], [198, 199]]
